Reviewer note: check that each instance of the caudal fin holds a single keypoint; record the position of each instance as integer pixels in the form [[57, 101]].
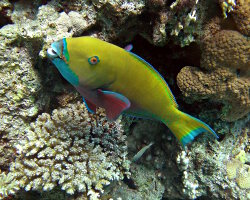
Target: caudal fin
[[186, 128]]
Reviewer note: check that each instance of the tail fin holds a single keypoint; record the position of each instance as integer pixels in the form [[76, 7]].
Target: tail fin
[[186, 128]]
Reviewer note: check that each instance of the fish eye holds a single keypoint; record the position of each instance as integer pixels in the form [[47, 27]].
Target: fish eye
[[93, 60]]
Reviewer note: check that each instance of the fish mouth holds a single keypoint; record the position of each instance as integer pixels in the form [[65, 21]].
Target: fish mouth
[[52, 54]]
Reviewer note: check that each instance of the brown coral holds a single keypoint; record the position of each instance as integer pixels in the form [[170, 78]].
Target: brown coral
[[220, 85], [226, 48], [225, 75], [241, 15]]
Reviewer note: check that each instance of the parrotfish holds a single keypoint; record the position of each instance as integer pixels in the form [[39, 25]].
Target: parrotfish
[[121, 82]]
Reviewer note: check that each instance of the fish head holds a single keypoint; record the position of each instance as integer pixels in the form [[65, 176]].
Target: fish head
[[58, 50], [89, 59], [58, 54]]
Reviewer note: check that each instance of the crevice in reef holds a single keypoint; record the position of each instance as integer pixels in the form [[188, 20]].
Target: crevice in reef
[[96, 28], [130, 183], [4, 18], [168, 61]]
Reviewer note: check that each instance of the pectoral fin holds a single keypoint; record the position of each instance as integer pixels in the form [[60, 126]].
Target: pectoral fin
[[90, 106], [114, 103]]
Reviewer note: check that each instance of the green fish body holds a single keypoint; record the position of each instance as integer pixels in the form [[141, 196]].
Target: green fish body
[[121, 82]]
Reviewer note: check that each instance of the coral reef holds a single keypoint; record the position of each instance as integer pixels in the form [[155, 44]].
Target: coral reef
[[227, 6], [220, 85], [8, 185], [205, 167], [228, 49], [236, 168], [224, 76], [185, 23], [72, 148], [24, 76], [199, 171], [48, 141], [241, 16], [145, 185]]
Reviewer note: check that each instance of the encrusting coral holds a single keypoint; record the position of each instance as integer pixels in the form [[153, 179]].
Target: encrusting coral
[[220, 85], [237, 168], [224, 76], [77, 150], [241, 15], [228, 49], [207, 170]]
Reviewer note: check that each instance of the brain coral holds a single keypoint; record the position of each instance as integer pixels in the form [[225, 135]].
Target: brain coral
[[241, 15], [220, 85], [71, 148], [225, 78], [226, 48]]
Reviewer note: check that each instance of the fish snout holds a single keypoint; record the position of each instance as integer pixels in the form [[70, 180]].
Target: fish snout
[[52, 54], [56, 50]]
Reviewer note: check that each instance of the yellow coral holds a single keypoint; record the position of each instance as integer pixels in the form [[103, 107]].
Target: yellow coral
[[8, 185], [241, 156], [232, 167], [236, 168], [243, 179]]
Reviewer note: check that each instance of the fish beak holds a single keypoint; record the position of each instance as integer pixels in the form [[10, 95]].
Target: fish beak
[[56, 50], [52, 54]]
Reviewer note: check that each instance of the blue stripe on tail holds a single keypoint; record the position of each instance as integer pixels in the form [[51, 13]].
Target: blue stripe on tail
[[191, 135], [204, 125]]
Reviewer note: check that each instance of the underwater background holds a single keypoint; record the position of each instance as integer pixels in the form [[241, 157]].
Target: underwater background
[[51, 147]]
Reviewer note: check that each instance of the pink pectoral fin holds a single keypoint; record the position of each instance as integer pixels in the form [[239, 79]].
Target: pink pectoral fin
[[114, 103], [91, 107]]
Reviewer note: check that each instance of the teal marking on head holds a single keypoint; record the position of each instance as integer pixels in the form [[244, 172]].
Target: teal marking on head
[[66, 72], [57, 47], [65, 50]]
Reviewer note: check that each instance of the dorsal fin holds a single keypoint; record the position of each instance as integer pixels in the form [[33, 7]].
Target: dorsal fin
[[129, 47], [155, 71]]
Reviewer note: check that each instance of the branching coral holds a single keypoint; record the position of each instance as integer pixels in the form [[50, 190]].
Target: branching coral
[[184, 18], [8, 185], [73, 149]]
